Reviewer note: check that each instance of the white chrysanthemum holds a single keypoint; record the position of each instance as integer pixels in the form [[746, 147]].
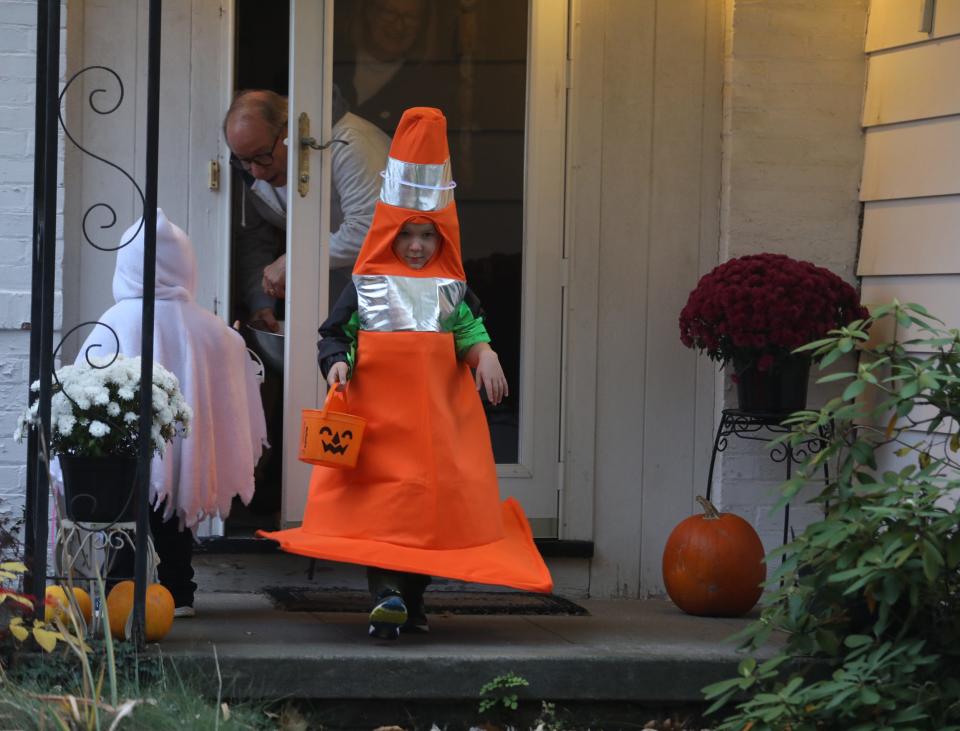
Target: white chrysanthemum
[[65, 425], [98, 394], [112, 382], [160, 398], [98, 428], [76, 393], [60, 402]]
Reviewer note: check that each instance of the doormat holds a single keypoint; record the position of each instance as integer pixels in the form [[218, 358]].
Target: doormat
[[309, 599]]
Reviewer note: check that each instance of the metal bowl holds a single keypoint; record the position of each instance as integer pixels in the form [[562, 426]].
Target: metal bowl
[[269, 344]]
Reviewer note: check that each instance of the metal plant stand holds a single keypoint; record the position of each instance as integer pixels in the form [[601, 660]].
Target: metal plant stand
[[762, 427], [84, 551]]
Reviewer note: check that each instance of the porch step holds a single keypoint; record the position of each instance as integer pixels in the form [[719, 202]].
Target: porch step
[[624, 651]]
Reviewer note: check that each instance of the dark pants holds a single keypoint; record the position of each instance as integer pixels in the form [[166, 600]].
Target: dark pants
[[175, 551], [409, 586]]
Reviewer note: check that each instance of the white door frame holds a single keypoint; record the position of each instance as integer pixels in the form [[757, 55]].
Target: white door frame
[[308, 236], [222, 304], [535, 479]]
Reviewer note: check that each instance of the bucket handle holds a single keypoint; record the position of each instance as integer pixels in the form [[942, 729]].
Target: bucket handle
[[326, 401]]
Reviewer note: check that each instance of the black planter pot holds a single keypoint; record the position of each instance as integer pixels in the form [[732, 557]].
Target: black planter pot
[[99, 489], [780, 390]]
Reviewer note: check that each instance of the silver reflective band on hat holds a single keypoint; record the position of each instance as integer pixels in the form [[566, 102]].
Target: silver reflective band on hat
[[420, 187]]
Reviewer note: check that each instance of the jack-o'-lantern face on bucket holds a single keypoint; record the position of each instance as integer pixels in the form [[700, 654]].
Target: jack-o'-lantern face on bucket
[[331, 440], [336, 442]]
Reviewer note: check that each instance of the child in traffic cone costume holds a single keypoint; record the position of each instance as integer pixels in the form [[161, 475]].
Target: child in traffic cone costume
[[423, 499]]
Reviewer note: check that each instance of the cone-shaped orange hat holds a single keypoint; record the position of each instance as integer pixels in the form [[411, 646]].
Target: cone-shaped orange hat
[[417, 186]]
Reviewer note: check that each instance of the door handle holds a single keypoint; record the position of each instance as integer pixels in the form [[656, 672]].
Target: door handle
[[307, 143]]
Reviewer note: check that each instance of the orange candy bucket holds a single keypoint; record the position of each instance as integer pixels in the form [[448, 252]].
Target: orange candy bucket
[[330, 438]]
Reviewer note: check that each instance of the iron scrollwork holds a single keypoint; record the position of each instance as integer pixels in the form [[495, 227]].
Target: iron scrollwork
[[92, 100], [765, 427], [760, 427]]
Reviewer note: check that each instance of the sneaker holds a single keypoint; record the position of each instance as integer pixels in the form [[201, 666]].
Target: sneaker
[[386, 618], [416, 617], [416, 624], [185, 611]]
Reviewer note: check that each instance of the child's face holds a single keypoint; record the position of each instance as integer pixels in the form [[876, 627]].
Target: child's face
[[416, 244]]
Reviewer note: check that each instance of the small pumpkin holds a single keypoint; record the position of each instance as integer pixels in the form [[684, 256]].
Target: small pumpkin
[[159, 611], [57, 604], [713, 564]]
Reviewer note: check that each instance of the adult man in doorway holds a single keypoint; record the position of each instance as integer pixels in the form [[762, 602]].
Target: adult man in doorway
[[255, 128]]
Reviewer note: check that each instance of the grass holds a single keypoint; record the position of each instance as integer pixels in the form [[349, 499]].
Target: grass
[[43, 692]]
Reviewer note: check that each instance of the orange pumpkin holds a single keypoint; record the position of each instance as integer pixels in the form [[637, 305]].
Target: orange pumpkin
[[57, 604], [159, 614], [713, 564]]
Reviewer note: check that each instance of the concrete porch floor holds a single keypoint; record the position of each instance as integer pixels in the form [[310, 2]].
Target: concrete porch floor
[[638, 651]]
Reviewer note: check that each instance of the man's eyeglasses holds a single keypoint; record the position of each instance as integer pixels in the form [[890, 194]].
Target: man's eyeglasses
[[263, 160], [392, 17]]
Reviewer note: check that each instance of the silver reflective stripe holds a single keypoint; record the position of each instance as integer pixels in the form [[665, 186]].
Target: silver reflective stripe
[[415, 186], [422, 304]]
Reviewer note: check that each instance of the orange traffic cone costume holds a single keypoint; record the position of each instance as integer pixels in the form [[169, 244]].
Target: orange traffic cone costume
[[423, 497]]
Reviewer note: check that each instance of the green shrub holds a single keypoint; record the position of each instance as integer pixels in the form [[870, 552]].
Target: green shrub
[[868, 598]]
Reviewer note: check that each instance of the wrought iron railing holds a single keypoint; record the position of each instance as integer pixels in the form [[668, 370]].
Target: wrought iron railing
[[42, 351]]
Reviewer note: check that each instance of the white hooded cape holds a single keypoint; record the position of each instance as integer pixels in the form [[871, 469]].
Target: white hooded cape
[[204, 471]]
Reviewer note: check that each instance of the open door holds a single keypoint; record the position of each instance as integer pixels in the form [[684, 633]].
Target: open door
[[497, 70]]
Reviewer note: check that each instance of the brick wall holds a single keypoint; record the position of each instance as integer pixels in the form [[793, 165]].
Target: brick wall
[[792, 157], [17, 79]]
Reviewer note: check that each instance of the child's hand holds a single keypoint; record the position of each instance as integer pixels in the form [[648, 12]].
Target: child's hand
[[490, 376], [337, 375]]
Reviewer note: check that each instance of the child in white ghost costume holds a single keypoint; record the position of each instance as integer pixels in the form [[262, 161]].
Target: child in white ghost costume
[[199, 475]]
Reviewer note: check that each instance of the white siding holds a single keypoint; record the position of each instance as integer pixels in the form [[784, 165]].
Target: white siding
[[913, 83], [897, 22], [938, 293], [911, 169], [911, 236], [912, 159]]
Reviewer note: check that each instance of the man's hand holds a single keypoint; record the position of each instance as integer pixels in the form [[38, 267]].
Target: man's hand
[[337, 375], [490, 376], [275, 277], [266, 316]]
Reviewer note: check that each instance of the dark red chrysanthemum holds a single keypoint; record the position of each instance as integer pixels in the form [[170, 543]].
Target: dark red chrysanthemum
[[765, 305]]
